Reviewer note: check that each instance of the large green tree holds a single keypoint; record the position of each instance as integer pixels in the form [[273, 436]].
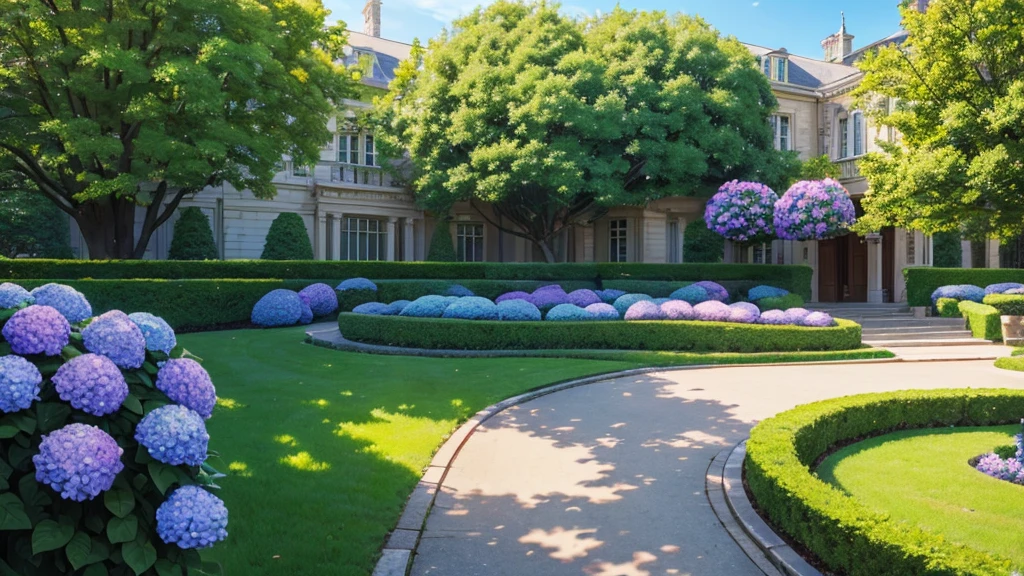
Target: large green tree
[[958, 88], [106, 106], [542, 121]]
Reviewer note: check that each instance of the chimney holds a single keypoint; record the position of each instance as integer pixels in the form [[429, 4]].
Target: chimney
[[371, 18], [840, 44]]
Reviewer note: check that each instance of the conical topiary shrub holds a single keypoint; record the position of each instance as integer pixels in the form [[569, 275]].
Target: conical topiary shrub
[[193, 238], [441, 247], [287, 239]]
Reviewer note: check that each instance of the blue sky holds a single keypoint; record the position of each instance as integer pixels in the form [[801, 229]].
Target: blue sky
[[797, 25]]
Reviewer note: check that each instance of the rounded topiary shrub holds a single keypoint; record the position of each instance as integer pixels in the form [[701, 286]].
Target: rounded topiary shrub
[[278, 308], [441, 248], [323, 300], [287, 239], [471, 308], [106, 469], [568, 313], [193, 237], [622, 303], [426, 307], [691, 294], [518, 311]]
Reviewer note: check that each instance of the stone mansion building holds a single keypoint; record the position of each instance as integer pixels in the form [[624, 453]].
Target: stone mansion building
[[353, 210]]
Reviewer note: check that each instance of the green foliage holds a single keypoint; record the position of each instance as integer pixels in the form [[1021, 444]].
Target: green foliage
[[287, 239], [441, 247], [701, 244], [29, 223], [193, 93], [948, 307], [848, 537], [519, 105], [1015, 363], [817, 168], [616, 335], [982, 320], [959, 100], [1006, 304], [1006, 451], [193, 237], [947, 250], [922, 281], [781, 303]]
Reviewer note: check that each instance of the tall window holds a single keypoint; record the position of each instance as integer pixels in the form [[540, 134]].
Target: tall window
[[858, 133], [775, 68], [348, 149], [363, 239], [767, 66], [780, 126], [674, 254], [469, 242], [617, 249], [369, 150], [780, 69], [300, 170], [844, 141]]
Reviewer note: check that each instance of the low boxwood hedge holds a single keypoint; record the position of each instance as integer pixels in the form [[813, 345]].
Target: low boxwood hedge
[[780, 303], [948, 307], [848, 537], [447, 334], [921, 282], [1006, 304], [982, 319]]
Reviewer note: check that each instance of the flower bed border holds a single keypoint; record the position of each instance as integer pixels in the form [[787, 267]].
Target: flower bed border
[[845, 535]]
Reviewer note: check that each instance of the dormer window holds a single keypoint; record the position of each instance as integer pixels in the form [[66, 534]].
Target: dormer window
[[776, 66]]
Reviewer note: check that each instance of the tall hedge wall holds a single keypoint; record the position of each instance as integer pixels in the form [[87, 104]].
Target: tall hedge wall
[[921, 282]]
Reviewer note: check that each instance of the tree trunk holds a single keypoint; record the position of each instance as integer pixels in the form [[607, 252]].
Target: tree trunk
[[108, 226], [549, 255]]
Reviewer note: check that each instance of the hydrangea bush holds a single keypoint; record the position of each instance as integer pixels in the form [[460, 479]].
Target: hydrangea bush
[[623, 303], [514, 295], [715, 290], [742, 211], [568, 313], [677, 310], [518, 311], [959, 292], [1003, 287], [744, 313], [378, 309], [279, 307], [12, 295], [603, 311], [356, 284], [758, 292], [88, 485], [610, 295], [691, 294], [1010, 469], [68, 301], [471, 308], [712, 311], [644, 310], [458, 290], [426, 307], [814, 210], [323, 300], [583, 297]]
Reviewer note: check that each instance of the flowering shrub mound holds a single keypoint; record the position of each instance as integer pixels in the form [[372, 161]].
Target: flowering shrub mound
[[518, 311], [568, 313], [307, 313], [514, 295], [959, 292], [68, 301], [471, 308], [814, 210], [712, 311], [399, 305], [381, 309], [817, 320], [583, 297], [547, 297], [1009, 468], [426, 307], [1002, 287], [758, 292], [278, 308], [322, 299], [742, 211], [610, 295], [622, 303], [715, 290], [691, 294], [677, 310], [107, 469], [458, 290], [602, 311], [773, 317], [796, 315], [12, 295], [644, 310], [744, 313], [356, 284]]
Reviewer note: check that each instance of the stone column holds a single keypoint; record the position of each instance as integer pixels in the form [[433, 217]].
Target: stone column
[[321, 235], [965, 254], [682, 239], [875, 293], [409, 240], [727, 252], [336, 236], [992, 253], [391, 243]]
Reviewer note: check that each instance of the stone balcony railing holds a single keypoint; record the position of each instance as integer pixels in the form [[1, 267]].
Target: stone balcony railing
[[849, 168], [362, 175]]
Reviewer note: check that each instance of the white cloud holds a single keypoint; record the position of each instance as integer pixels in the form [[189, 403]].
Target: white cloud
[[446, 10], [756, 4]]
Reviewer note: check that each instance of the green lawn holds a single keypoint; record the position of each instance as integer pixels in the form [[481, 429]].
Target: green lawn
[[922, 477], [323, 447]]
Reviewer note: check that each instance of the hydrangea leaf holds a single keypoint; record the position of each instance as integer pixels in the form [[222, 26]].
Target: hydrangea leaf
[[8, 431], [122, 529], [79, 549], [139, 556], [96, 570], [165, 568], [12, 513], [52, 415], [24, 422], [165, 476], [119, 501], [50, 535], [133, 404]]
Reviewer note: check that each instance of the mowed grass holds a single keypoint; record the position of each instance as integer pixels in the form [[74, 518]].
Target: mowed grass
[[922, 477], [322, 447]]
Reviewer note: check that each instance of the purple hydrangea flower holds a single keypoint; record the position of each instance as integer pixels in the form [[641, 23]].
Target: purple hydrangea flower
[[622, 303], [426, 307], [715, 290], [817, 320], [518, 311], [377, 309], [356, 284], [471, 308], [79, 461], [174, 435], [796, 315], [68, 301], [514, 295], [583, 297], [644, 310], [999, 288], [814, 210], [691, 294], [1010, 470], [610, 295], [458, 290], [158, 334], [91, 383], [773, 317], [115, 336], [677, 310], [547, 297], [603, 311], [192, 518], [277, 308], [744, 313], [758, 292], [959, 292], [712, 311], [37, 330], [12, 295], [742, 211], [186, 382], [19, 383], [323, 300], [568, 313]]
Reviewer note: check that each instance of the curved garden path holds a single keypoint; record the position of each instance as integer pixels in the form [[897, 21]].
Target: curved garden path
[[608, 479]]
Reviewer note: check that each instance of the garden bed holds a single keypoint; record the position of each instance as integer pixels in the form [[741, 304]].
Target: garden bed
[[689, 336]]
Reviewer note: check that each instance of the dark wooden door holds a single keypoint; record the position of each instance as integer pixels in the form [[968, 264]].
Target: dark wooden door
[[857, 269], [889, 263], [827, 271]]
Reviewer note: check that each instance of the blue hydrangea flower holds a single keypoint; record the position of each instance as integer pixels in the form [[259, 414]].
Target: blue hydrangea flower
[[37, 330], [323, 300], [426, 307], [644, 310], [715, 290], [356, 284], [514, 295], [796, 316], [583, 297], [12, 295], [277, 308], [115, 336], [677, 310], [68, 301], [375, 309], [19, 383], [458, 290], [744, 313], [712, 311], [186, 382], [568, 313], [610, 295], [174, 435], [158, 334], [603, 311], [78, 461], [999, 288], [518, 311], [959, 292], [817, 320], [691, 294], [622, 303], [399, 305], [773, 317], [192, 518], [471, 308], [307, 314], [758, 292], [91, 383]]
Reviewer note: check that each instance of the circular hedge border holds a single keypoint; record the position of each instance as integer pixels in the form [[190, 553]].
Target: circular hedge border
[[846, 535], [444, 333]]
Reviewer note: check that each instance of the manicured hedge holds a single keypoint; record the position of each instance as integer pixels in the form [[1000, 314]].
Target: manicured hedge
[[982, 319], [446, 334], [948, 307], [921, 282], [1006, 304], [847, 536]]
